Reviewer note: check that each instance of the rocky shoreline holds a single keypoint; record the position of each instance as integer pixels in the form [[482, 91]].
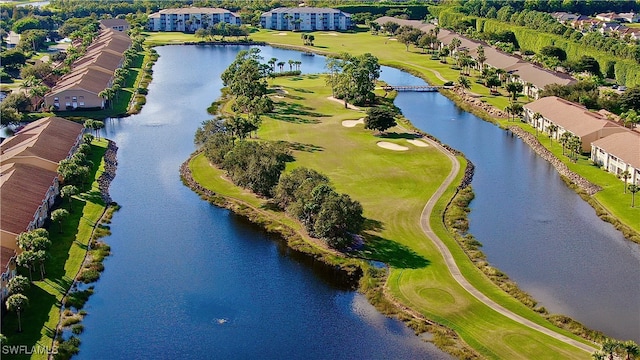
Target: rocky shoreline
[[560, 167], [110, 165]]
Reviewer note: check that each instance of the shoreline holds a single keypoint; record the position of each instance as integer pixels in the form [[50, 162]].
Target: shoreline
[[104, 182], [358, 273]]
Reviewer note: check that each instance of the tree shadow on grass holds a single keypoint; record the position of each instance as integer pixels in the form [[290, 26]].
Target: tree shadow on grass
[[392, 253], [373, 225], [32, 318], [395, 135], [305, 147], [304, 91], [292, 112]]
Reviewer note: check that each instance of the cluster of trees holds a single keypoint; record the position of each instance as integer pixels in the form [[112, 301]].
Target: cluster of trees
[[535, 29], [325, 213], [353, 78], [34, 245], [308, 39], [17, 300], [254, 165], [572, 143], [586, 92], [245, 80], [611, 349], [13, 107], [76, 170], [223, 30]]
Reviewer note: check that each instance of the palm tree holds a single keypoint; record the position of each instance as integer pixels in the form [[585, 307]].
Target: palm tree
[[631, 350], [481, 56], [17, 303], [625, 176], [564, 140], [633, 189], [273, 62], [552, 130], [517, 109], [464, 83], [598, 355], [514, 88], [58, 216], [537, 116], [291, 65], [609, 347], [281, 65], [509, 110]]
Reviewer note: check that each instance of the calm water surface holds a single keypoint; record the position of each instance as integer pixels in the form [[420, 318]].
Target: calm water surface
[[187, 280], [534, 228]]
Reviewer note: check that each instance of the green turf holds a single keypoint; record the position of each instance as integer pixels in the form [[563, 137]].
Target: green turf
[[67, 254], [393, 187], [612, 196]]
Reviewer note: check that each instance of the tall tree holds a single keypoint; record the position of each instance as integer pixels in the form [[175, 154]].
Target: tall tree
[[18, 285], [17, 303], [633, 189], [626, 175], [464, 83], [380, 119], [536, 117], [58, 216], [67, 192], [552, 129]]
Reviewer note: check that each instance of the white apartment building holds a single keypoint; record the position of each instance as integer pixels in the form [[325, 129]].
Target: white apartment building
[[306, 19], [190, 19]]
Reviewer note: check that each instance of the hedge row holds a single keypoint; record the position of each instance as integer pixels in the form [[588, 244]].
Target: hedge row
[[415, 12]]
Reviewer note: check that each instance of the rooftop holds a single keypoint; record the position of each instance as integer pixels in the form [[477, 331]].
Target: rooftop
[[623, 145], [570, 116], [49, 138], [23, 187]]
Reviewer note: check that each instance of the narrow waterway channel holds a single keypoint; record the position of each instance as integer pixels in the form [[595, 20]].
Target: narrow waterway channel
[[533, 227], [187, 280]]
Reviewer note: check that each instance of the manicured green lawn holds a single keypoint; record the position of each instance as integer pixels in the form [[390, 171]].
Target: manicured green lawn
[[67, 254], [393, 187]]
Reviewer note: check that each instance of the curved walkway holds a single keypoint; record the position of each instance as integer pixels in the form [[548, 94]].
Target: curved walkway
[[455, 271]]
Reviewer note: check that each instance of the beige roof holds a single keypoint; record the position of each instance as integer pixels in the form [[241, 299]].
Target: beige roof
[[92, 79], [107, 59], [23, 187], [496, 58], [93, 72], [570, 116], [623, 145], [109, 23], [50, 138]]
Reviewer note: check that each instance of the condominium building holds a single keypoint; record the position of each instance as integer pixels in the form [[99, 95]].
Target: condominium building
[[190, 19], [306, 19]]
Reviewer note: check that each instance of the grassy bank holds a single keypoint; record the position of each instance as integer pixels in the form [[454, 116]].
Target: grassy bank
[[393, 188], [67, 251]]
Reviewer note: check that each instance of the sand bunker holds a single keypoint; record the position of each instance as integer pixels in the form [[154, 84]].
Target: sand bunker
[[419, 143], [280, 34], [352, 123], [392, 146], [281, 91]]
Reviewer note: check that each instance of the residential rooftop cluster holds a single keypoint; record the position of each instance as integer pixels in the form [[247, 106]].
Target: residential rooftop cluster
[[29, 181], [605, 23], [612, 146], [90, 74], [533, 77]]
